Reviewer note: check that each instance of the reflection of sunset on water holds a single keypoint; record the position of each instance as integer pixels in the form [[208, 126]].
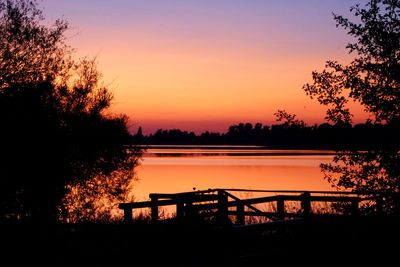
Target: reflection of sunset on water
[[183, 173]]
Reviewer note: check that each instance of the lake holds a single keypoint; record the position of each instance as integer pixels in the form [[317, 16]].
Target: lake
[[173, 169]]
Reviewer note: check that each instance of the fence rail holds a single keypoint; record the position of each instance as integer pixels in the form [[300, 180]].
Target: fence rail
[[220, 202]]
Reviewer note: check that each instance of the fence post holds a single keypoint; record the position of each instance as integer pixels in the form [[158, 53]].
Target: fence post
[[222, 207], [188, 210], [154, 208], [180, 210], [280, 206], [128, 215], [240, 219], [306, 203]]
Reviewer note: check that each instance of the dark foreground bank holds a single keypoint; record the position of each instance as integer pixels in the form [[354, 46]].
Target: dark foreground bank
[[315, 242]]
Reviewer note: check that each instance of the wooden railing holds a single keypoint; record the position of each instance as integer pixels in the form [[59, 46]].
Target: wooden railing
[[222, 203]]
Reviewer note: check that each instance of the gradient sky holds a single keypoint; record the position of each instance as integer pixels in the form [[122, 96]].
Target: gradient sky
[[207, 64]]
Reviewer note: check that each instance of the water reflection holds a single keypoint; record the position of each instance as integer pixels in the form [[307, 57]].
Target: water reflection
[[203, 151], [293, 160], [179, 169]]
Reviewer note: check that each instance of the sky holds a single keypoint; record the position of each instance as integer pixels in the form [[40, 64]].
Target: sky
[[203, 65]]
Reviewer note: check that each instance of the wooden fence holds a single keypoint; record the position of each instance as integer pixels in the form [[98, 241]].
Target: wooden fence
[[222, 203]]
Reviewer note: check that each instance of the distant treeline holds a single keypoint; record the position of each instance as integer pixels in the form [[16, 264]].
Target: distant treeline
[[282, 135]]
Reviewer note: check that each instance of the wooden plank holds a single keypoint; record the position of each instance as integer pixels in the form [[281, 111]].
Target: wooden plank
[[333, 199], [166, 202], [198, 198], [177, 195], [276, 198], [236, 202], [254, 200], [238, 199], [290, 191], [146, 204], [188, 197]]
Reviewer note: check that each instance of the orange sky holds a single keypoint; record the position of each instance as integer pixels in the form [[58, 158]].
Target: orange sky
[[204, 66]]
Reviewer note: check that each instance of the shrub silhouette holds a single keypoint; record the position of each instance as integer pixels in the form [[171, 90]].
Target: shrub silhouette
[[56, 138], [371, 79]]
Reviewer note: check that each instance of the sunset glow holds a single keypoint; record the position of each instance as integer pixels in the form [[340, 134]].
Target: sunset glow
[[204, 65]]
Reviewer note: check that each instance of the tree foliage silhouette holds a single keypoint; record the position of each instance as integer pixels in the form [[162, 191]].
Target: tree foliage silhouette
[[30, 50], [373, 80], [289, 119], [62, 155]]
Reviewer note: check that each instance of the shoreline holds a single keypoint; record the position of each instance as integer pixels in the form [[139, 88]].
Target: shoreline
[[241, 147]]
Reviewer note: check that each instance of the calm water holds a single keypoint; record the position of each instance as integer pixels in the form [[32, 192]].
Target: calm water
[[182, 168]]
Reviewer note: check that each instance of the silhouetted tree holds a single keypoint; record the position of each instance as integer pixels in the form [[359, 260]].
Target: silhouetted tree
[[138, 137], [292, 133], [139, 133], [289, 120], [62, 155], [373, 80], [258, 127], [30, 50]]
